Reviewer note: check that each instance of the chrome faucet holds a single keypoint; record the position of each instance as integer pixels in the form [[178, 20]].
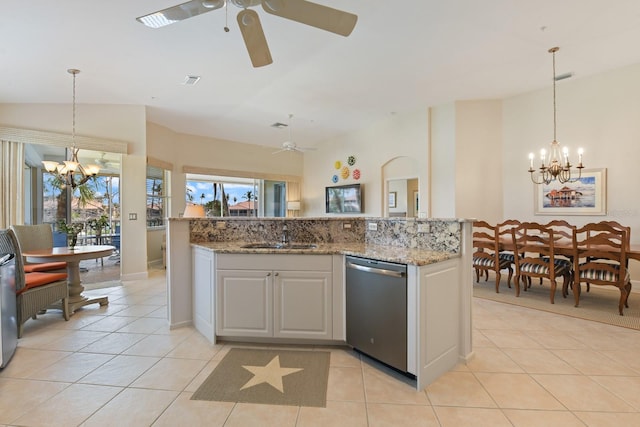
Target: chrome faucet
[[285, 235]]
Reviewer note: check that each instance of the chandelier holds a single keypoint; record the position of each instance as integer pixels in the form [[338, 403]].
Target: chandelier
[[71, 172], [555, 167]]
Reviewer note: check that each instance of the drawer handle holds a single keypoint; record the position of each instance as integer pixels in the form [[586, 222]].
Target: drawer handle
[[374, 270]]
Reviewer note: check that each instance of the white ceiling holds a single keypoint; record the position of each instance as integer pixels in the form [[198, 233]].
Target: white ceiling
[[401, 56]]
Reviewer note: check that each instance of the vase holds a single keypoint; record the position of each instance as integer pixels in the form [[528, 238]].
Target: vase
[[72, 240]]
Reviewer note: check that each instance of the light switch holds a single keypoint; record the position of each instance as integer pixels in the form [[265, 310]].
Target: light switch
[[133, 216]]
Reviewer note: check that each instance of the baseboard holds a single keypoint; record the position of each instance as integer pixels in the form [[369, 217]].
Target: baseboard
[[156, 263], [135, 276], [180, 324]]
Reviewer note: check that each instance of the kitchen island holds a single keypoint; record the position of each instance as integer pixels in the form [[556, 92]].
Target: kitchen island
[[285, 295]]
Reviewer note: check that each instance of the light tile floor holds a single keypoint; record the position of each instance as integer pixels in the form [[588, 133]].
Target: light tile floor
[[121, 365]]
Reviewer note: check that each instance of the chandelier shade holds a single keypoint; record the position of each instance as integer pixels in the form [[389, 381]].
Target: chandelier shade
[[71, 171], [554, 165]]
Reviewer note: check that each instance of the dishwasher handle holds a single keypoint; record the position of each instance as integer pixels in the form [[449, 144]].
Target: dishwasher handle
[[374, 270]]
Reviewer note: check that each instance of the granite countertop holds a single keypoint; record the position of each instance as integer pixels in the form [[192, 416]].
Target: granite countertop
[[379, 252]]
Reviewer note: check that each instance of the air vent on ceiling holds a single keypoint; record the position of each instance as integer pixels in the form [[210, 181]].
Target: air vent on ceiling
[[190, 80], [279, 125]]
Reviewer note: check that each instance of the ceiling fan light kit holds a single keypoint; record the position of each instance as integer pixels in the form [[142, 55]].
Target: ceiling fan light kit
[[302, 11], [290, 145]]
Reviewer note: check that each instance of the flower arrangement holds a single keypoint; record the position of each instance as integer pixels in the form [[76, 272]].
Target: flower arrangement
[[99, 224], [72, 230]]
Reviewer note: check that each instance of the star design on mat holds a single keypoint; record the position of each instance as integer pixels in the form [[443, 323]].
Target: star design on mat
[[271, 374]]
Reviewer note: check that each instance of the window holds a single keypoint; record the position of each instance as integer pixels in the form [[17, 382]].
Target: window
[[156, 196], [233, 196]]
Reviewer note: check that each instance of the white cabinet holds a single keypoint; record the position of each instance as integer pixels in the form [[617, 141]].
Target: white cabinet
[[203, 295], [302, 303], [245, 303], [283, 296], [434, 319]]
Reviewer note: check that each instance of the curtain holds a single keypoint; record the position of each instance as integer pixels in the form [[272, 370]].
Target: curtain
[[11, 183], [293, 194]]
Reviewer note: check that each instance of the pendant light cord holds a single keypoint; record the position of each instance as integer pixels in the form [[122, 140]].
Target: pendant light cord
[[73, 114], [553, 52]]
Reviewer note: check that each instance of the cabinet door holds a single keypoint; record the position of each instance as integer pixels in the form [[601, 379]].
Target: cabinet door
[[244, 300], [302, 303], [203, 303]]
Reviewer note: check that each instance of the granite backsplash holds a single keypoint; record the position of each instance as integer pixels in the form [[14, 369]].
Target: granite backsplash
[[431, 234]]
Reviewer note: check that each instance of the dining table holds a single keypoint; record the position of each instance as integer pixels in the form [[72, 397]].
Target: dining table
[[73, 256]]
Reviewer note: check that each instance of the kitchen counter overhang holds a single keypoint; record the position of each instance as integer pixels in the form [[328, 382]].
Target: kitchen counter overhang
[[411, 256]]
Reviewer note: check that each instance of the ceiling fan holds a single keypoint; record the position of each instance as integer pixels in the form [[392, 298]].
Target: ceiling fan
[[305, 12], [106, 164], [290, 145]]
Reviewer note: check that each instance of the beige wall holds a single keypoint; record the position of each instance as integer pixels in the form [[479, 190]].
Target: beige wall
[[442, 170], [403, 134], [598, 113], [466, 166], [195, 151], [116, 122], [479, 160]]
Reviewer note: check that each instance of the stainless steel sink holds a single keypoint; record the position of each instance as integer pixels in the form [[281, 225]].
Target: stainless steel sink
[[279, 246], [300, 246], [263, 246]]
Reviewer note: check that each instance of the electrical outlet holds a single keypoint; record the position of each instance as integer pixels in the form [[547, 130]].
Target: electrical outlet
[[373, 226], [423, 228], [346, 225], [221, 225]]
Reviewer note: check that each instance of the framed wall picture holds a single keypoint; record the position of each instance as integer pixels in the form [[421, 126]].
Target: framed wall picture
[[586, 196], [393, 199]]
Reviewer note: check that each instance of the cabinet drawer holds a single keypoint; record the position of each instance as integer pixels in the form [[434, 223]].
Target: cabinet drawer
[[280, 262]]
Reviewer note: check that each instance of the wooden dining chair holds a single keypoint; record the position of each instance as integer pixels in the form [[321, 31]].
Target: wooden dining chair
[[486, 254], [535, 244], [600, 258], [616, 225], [504, 235], [562, 232], [34, 291]]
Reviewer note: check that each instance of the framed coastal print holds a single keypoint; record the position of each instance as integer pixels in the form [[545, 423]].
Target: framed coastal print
[[586, 196]]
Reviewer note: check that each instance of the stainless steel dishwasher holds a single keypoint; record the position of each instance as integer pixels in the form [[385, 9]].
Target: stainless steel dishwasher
[[376, 306]]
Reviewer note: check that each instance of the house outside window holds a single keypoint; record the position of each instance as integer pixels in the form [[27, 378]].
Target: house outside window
[[237, 197]]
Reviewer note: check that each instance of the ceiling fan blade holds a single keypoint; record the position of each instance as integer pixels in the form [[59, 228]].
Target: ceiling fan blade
[[254, 38], [179, 12], [316, 15]]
